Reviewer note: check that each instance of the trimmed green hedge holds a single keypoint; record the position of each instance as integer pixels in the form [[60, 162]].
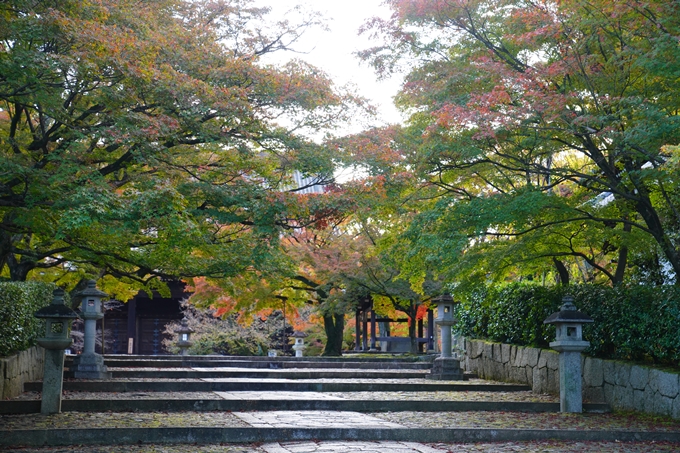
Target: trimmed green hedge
[[19, 329], [631, 322]]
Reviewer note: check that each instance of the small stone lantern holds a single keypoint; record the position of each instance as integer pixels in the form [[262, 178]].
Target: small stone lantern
[[184, 333], [57, 337], [89, 364], [445, 366], [299, 346], [569, 343]]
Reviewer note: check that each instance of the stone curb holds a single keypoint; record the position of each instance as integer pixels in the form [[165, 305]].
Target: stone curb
[[127, 436], [292, 386], [222, 405]]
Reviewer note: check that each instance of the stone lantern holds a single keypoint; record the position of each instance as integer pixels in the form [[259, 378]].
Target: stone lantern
[[445, 366], [89, 364], [569, 343], [57, 337], [184, 333], [299, 345]]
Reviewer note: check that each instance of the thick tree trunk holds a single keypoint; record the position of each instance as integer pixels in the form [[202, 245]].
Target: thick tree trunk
[[562, 272], [622, 262], [18, 270], [334, 325], [5, 248]]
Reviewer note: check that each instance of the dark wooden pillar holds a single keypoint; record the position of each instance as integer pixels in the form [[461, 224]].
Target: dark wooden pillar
[[372, 328], [357, 339], [132, 345], [430, 330], [364, 328], [421, 345]]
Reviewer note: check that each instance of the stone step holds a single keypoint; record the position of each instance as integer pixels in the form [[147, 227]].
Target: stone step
[[213, 373], [180, 405], [210, 435], [227, 385], [277, 363]]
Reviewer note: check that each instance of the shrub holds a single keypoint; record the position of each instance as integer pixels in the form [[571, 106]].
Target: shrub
[[630, 322], [218, 336], [19, 329]]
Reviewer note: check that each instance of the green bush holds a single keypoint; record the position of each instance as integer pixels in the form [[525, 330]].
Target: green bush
[[19, 329], [630, 322]]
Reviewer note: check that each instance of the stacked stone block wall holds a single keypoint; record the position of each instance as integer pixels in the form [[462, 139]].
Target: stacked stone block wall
[[22, 367], [622, 385]]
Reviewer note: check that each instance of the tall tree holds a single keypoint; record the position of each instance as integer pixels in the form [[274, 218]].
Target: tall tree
[[148, 139], [542, 125]]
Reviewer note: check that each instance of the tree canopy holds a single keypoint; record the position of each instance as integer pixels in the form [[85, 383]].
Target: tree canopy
[[147, 139], [539, 130]]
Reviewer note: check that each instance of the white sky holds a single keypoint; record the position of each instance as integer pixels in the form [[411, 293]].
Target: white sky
[[332, 50]]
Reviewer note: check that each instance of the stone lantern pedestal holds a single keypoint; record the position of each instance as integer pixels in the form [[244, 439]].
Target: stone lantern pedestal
[[89, 364], [445, 367], [57, 338], [299, 345], [569, 343]]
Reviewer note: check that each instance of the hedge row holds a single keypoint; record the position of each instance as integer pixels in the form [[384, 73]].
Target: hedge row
[[638, 323], [18, 301]]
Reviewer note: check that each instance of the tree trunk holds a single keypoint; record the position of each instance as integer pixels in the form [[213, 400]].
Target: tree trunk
[[18, 270], [622, 262], [334, 325], [562, 272], [412, 314]]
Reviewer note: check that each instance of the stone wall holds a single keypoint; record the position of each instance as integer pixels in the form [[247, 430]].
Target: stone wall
[[19, 368], [622, 385]]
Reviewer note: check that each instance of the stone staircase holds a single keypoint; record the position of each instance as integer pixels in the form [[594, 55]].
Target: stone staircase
[[216, 400]]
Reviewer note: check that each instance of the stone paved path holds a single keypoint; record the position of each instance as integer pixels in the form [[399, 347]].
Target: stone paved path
[[345, 419]]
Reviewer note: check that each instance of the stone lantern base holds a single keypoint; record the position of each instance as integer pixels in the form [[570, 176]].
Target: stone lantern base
[[446, 369], [90, 366]]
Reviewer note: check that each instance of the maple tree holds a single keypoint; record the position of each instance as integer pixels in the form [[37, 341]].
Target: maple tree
[[148, 139], [540, 128]]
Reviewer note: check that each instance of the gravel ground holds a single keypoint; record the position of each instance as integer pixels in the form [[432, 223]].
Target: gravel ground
[[69, 395], [75, 420], [560, 447], [448, 396], [617, 421], [151, 448]]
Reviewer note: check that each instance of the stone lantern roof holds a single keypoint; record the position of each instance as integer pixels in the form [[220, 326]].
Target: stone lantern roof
[[57, 309], [184, 327], [299, 334], [443, 299], [568, 313], [91, 291]]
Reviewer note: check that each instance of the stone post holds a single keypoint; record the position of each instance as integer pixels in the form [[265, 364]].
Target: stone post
[[89, 364], [569, 343], [57, 338]]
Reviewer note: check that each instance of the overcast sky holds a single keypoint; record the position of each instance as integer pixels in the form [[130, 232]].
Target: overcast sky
[[332, 50]]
